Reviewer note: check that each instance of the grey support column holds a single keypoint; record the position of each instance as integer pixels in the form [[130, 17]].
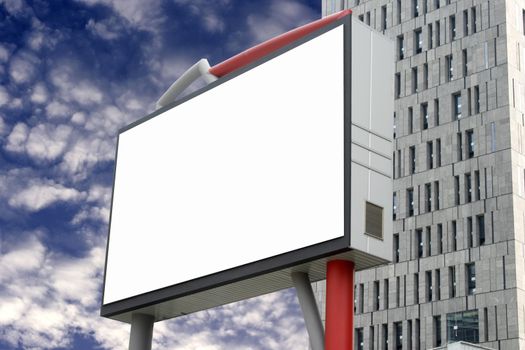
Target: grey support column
[[141, 334], [312, 319]]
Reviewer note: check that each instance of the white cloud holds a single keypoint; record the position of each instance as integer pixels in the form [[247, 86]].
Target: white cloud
[[108, 30], [4, 96], [39, 94], [22, 67], [57, 109], [17, 138], [208, 15], [85, 153], [38, 196], [47, 142], [4, 53]]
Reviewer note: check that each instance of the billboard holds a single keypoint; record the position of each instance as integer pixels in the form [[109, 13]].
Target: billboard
[[277, 166]]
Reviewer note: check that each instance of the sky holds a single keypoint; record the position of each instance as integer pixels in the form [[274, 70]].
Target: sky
[[72, 73]]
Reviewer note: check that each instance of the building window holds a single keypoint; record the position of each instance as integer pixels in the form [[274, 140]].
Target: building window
[[428, 198], [437, 331], [418, 40], [368, 18], [492, 137], [436, 4], [470, 143], [394, 206], [449, 68], [456, 105], [383, 17], [438, 152], [371, 338], [361, 18], [454, 229], [424, 116], [418, 333], [398, 9], [452, 22], [465, 62], [398, 329], [416, 288], [438, 284], [477, 185], [385, 336], [361, 292], [412, 159], [377, 296], [476, 99], [452, 281], [415, 8], [474, 19], [465, 22], [430, 36], [359, 339], [463, 326], [396, 247], [419, 242], [428, 240], [440, 238], [436, 195], [438, 33], [400, 47], [456, 190], [410, 201], [468, 188], [428, 282], [410, 120], [425, 76], [398, 291], [470, 233], [471, 278], [436, 112], [386, 293], [481, 228], [398, 84], [414, 80], [430, 155], [460, 146]]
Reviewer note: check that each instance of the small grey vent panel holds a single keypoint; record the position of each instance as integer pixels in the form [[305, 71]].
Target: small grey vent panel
[[374, 220]]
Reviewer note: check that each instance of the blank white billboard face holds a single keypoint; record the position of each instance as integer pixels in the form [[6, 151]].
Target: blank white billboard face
[[250, 169]]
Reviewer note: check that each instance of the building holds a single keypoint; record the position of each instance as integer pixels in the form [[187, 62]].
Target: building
[[459, 177]]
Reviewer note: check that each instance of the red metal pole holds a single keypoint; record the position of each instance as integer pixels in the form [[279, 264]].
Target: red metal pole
[[339, 332]]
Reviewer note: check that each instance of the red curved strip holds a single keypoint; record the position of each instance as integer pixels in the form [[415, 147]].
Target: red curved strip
[[263, 49]]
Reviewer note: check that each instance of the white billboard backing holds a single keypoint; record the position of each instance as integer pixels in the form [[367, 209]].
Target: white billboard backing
[[245, 178]]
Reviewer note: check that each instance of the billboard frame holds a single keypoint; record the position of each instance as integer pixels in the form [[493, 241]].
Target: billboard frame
[[271, 264]]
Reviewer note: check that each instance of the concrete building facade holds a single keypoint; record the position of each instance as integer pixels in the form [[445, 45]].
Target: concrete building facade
[[459, 177]]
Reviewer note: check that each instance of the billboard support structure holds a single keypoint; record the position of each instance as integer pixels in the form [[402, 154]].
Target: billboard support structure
[[312, 319], [339, 305], [141, 334]]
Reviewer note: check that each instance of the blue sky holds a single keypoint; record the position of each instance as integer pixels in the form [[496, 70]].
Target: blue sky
[[71, 74]]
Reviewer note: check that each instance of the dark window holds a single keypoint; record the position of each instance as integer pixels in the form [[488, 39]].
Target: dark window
[[428, 197], [418, 333], [396, 247], [477, 185], [452, 281], [361, 297], [481, 228], [383, 17], [430, 155], [429, 241], [398, 329], [452, 22], [438, 33], [371, 338], [425, 76], [410, 201], [428, 283], [410, 120], [398, 9], [465, 62], [368, 18], [438, 284], [436, 195], [415, 8], [400, 47], [456, 190], [465, 22], [416, 288], [471, 278], [474, 19], [440, 238], [468, 188], [394, 206], [438, 152], [398, 291], [386, 293], [398, 84], [460, 146], [361, 18], [463, 326], [449, 68], [430, 36], [385, 335], [436, 4], [412, 158], [456, 105], [409, 335], [437, 331], [454, 229], [414, 80], [470, 143], [377, 296], [418, 40], [419, 242], [470, 233], [424, 116], [359, 339], [476, 99]]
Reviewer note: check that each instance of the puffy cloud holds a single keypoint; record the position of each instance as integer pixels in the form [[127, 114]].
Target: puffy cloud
[[108, 29], [22, 67], [57, 109], [39, 94], [47, 142], [38, 196], [85, 153], [17, 138], [4, 96]]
